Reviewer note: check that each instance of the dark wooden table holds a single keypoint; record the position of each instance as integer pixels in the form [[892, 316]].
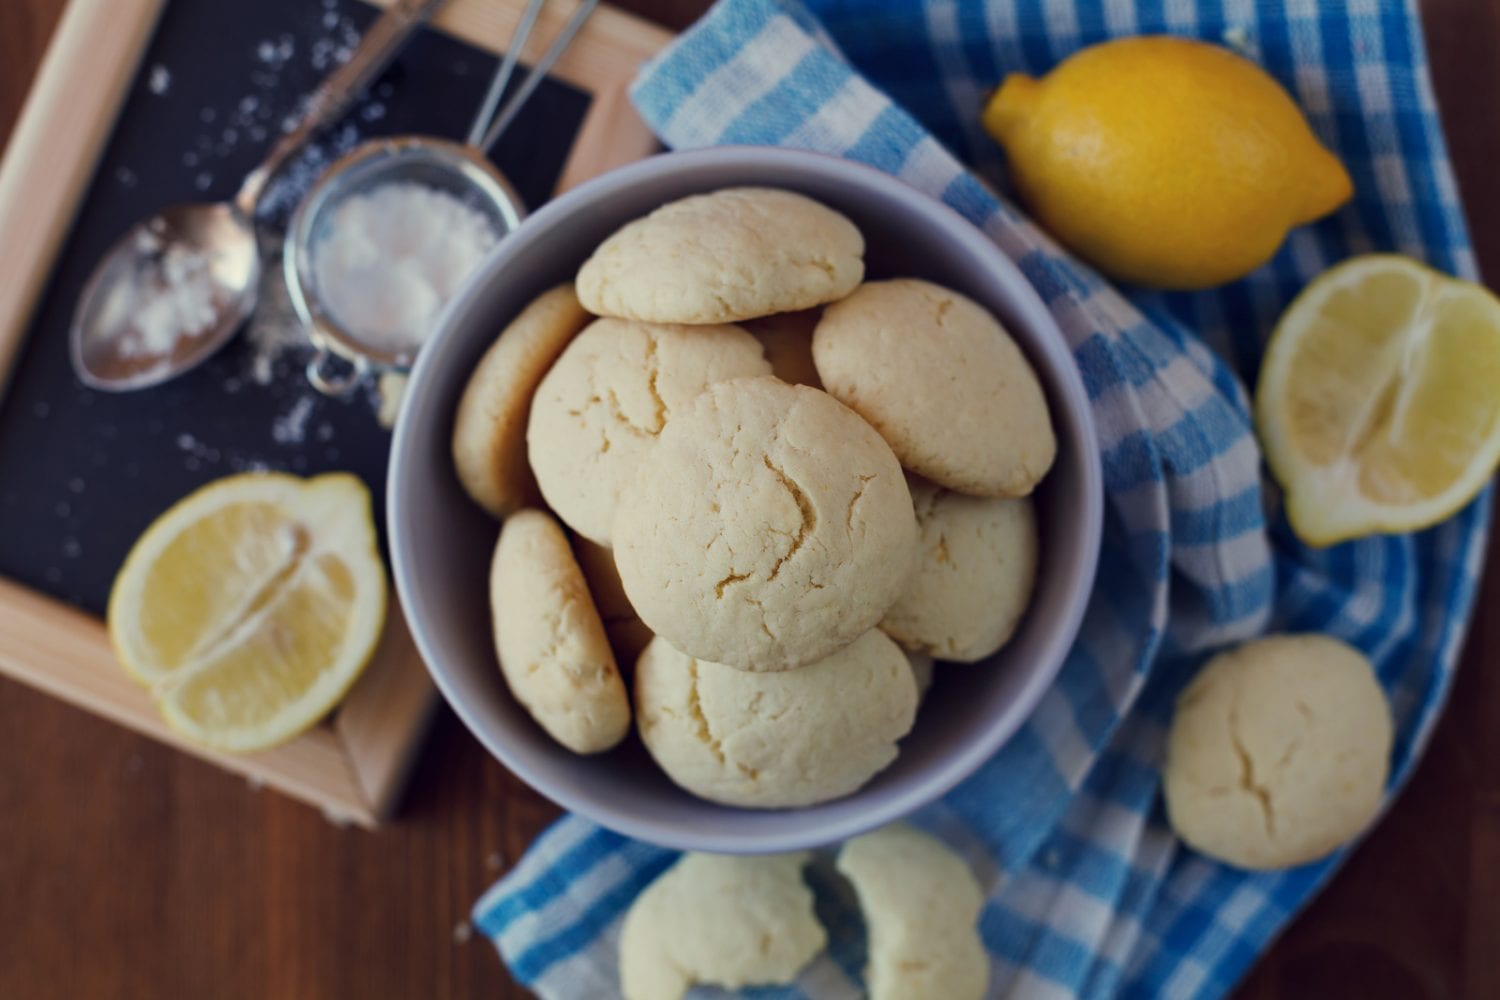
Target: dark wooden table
[[128, 870]]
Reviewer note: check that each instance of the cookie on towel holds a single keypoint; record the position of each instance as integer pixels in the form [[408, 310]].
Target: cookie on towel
[[551, 644], [921, 906], [775, 739], [769, 527], [730, 255], [489, 431], [976, 562], [942, 381], [719, 920], [1278, 752], [600, 409]]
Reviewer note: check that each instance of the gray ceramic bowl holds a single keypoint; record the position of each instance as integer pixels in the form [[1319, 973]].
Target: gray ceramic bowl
[[441, 542]]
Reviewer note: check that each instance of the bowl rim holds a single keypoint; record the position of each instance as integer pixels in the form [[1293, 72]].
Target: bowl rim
[[943, 774]]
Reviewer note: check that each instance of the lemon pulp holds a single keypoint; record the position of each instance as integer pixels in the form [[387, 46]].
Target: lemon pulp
[[251, 606], [1377, 401]]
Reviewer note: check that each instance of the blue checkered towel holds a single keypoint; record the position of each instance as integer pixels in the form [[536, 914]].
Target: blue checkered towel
[[1089, 893]]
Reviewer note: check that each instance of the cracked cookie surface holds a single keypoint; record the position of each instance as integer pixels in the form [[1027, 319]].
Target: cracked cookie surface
[[608, 397], [781, 739], [921, 905], [769, 527], [942, 381], [719, 920], [972, 579], [489, 430], [733, 254], [1278, 752], [552, 647]]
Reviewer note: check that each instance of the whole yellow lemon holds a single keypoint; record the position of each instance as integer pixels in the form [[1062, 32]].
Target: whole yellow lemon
[[1164, 161]]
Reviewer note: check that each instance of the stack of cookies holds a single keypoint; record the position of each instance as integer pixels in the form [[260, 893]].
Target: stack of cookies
[[788, 491]]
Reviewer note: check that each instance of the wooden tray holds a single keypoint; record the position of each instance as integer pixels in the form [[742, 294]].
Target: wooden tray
[[353, 765]]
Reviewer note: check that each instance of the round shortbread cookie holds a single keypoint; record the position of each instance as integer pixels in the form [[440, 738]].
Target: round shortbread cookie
[[942, 381], [769, 527], [489, 430], [551, 644], [787, 338], [730, 255], [1278, 752], [976, 563], [628, 635], [769, 740], [921, 906], [600, 409], [719, 920]]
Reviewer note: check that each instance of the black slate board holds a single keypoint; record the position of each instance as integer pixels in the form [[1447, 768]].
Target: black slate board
[[81, 472]]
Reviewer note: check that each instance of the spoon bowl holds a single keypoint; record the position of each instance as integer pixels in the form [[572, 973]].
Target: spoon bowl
[[168, 294]]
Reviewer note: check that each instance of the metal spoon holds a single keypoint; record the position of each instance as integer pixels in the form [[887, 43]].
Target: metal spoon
[[178, 285]]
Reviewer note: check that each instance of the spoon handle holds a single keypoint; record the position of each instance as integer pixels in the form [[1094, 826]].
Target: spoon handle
[[334, 95]]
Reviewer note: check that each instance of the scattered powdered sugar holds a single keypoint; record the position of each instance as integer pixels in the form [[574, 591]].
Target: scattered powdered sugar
[[286, 190], [272, 335], [392, 258], [159, 80], [334, 48], [198, 453], [291, 426], [197, 449], [275, 336], [276, 52]]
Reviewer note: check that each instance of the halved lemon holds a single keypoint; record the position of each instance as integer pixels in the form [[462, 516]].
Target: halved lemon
[[1379, 399], [251, 606]]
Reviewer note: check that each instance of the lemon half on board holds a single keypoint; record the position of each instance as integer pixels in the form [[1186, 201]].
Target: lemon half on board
[[1379, 399], [250, 606]]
